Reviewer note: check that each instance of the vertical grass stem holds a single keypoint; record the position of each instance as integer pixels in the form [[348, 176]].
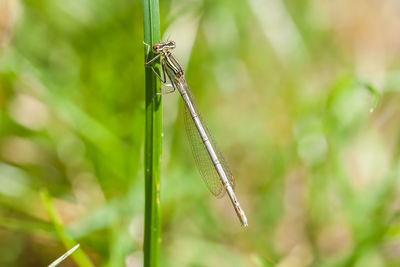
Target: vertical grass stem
[[153, 139]]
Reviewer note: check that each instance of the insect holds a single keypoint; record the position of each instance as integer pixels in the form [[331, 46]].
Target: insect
[[209, 160]]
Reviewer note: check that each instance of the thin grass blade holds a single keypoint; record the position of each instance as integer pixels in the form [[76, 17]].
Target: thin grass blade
[[63, 257]]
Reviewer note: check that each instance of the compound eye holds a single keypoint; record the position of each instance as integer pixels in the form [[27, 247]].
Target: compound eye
[[173, 44], [155, 48]]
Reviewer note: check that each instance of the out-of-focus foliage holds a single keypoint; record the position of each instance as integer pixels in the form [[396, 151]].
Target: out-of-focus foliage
[[289, 88]]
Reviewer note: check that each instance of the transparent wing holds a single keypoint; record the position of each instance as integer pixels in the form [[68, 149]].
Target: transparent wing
[[200, 154]]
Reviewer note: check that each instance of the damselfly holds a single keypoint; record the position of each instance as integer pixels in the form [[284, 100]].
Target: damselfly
[[209, 160]]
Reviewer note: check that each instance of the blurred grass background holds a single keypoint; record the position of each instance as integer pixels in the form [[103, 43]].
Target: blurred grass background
[[289, 88]]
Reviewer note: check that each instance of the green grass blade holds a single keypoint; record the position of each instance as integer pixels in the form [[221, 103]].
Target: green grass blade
[[79, 256], [153, 130]]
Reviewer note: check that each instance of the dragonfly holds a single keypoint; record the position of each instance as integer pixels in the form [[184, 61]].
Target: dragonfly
[[209, 160]]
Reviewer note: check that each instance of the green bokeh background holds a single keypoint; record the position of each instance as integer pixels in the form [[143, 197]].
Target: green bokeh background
[[302, 97]]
